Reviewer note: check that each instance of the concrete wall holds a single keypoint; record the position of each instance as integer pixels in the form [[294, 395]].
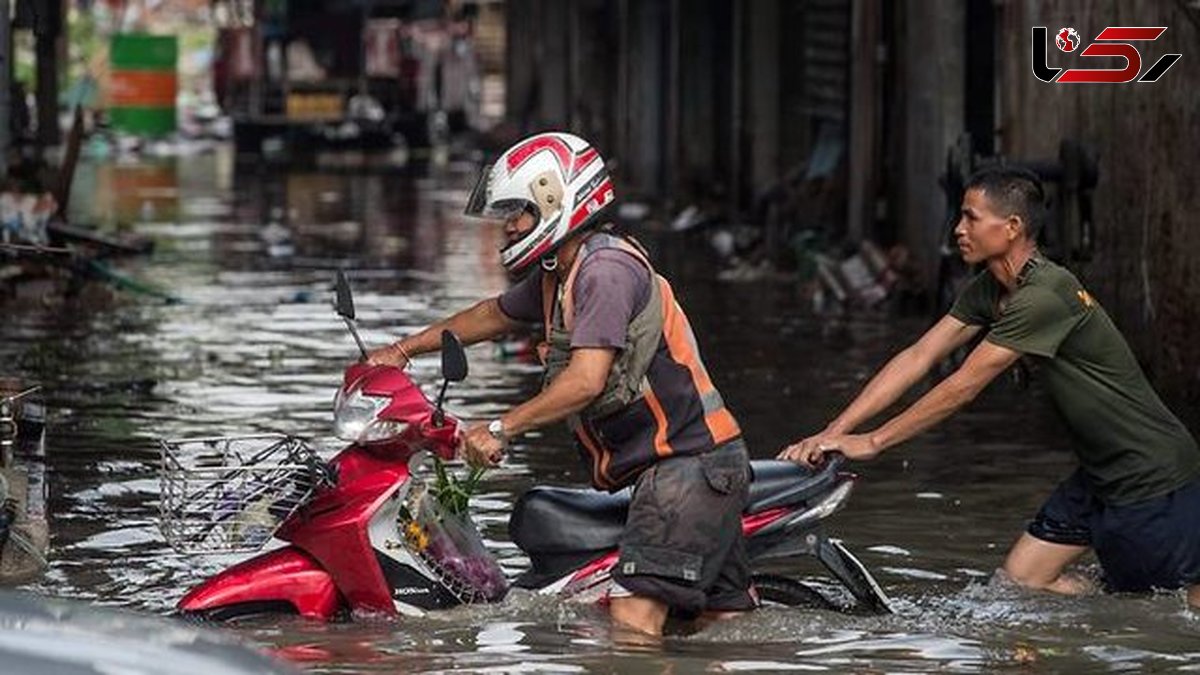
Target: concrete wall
[[1145, 270]]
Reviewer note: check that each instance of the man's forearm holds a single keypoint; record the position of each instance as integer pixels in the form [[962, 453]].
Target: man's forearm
[[888, 385], [982, 366], [566, 395], [939, 403], [482, 321]]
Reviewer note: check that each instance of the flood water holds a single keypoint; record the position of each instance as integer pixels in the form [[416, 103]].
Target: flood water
[[254, 346]]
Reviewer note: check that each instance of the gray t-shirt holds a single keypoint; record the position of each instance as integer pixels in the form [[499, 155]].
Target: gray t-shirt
[[611, 288]]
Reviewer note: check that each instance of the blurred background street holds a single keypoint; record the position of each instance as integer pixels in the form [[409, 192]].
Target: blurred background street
[[184, 177]]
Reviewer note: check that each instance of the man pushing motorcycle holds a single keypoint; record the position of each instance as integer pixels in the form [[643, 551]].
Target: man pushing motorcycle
[[623, 368], [1136, 497]]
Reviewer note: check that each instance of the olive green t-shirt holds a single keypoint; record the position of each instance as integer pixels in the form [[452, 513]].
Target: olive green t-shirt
[[1131, 447]]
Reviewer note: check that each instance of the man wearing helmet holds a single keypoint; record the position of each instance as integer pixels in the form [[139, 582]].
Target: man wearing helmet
[[623, 369]]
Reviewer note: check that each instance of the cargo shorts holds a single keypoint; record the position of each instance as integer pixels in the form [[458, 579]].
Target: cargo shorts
[[683, 542]]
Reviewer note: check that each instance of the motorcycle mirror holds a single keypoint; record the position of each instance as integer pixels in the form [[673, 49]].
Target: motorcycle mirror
[[454, 369], [345, 300], [454, 358], [345, 309]]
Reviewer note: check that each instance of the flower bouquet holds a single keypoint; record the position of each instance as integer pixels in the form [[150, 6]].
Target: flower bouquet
[[438, 527]]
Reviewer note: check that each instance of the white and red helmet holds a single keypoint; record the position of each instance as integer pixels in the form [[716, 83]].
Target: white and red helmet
[[558, 177]]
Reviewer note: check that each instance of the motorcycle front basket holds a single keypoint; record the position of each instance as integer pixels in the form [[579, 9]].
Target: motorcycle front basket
[[230, 494]]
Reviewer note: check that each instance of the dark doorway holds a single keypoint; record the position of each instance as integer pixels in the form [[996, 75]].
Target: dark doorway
[[980, 86]]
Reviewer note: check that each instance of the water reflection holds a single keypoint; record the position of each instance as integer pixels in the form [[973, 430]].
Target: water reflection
[[255, 346]]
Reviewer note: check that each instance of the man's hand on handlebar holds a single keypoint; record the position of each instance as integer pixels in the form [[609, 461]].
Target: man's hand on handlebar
[[480, 448], [391, 355]]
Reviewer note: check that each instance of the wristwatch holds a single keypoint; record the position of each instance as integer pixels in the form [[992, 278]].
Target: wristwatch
[[496, 429]]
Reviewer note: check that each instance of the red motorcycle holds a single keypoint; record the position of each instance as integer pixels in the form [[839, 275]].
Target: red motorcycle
[[354, 542]]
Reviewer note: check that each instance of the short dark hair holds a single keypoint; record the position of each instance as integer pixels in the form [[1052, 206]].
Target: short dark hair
[[1013, 192]]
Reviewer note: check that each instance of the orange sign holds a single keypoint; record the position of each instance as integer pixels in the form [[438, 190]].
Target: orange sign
[[147, 88]]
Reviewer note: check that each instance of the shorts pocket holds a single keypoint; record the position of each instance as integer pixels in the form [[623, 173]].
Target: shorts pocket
[[660, 562], [725, 472]]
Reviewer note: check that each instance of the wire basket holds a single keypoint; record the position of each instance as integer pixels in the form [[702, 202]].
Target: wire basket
[[231, 494]]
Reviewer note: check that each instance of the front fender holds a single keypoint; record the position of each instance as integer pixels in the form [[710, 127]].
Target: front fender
[[283, 575]]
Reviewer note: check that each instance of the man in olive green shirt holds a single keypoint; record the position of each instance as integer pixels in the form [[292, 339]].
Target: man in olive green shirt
[[1136, 496]]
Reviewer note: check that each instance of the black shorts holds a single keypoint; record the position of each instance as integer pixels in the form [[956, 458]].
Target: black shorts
[[683, 541], [1149, 544]]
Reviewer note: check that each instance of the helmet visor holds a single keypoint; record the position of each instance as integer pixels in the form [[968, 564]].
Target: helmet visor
[[479, 194], [480, 205]]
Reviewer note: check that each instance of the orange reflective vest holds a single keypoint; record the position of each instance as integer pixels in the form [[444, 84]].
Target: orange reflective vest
[[658, 401]]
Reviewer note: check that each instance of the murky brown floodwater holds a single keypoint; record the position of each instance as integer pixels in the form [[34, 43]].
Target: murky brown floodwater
[[255, 347]]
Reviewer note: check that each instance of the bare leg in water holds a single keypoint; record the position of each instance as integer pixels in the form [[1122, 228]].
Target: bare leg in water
[[1038, 564], [710, 617], [637, 618]]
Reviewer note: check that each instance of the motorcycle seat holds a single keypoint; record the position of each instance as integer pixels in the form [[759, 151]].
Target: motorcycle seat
[[779, 483], [560, 520]]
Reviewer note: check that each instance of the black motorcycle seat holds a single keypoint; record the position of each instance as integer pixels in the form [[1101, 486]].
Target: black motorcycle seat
[[779, 483], [559, 520]]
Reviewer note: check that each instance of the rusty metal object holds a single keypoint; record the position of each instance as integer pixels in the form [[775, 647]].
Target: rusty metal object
[[24, 534]]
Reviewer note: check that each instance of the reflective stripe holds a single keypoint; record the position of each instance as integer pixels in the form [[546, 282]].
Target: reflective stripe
[[705, 382], [599, 478], [682, 344], [712, 401], [722, 426], [661, 448]]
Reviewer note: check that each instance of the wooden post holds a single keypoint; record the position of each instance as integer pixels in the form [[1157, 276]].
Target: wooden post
[[552, 65], [66, 172], [735, 118], [674, 159], [864, 87], [5, 83], [931, 82], [518, 50], [623, 145], [48, 32], [762, 87]]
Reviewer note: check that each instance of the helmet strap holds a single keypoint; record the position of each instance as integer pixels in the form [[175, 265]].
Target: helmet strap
[[549, 263]]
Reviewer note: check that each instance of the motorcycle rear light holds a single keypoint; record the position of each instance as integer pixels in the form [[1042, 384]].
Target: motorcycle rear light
[[826, 507]]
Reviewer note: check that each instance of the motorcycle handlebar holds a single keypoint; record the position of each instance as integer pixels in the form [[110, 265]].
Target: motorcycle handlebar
[[834, 461]]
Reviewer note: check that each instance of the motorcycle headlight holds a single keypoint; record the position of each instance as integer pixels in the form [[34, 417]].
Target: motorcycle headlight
[[356, 418]]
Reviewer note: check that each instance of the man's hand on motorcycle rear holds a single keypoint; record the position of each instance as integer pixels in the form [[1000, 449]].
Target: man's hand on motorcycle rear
[[480, 448], [806, 451], [811, 451]]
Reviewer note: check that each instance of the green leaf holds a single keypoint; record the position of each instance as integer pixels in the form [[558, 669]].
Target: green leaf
[[454, 494]]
